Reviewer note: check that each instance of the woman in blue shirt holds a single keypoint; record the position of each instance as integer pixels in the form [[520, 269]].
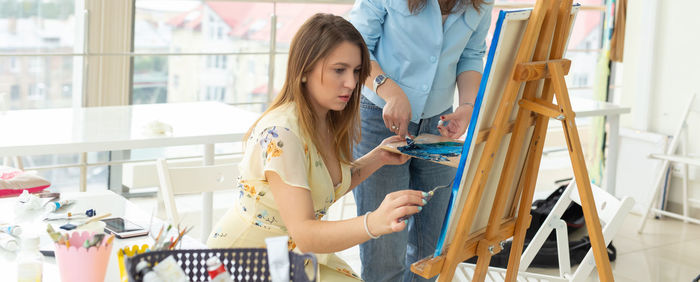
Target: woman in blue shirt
[[419, 51]]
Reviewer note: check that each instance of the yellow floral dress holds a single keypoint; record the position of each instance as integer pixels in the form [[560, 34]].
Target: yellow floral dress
[[277, 144]]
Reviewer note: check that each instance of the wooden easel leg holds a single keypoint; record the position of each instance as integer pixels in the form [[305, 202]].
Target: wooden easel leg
[[534, 155], [482, 264], [583, 182], [524, 218]]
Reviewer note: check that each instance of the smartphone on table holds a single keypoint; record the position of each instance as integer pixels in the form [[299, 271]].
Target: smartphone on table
[[122, 228]]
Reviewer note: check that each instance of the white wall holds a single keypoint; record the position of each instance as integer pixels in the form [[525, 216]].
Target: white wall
[[670, 29]]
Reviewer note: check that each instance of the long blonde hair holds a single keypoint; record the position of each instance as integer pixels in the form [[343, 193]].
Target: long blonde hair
[[316, 38]]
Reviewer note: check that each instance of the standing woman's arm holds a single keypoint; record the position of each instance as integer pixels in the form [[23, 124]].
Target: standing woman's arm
[[469, 69], [368, 17]]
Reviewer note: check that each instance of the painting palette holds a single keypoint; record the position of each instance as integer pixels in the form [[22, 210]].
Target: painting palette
[[430, 147]]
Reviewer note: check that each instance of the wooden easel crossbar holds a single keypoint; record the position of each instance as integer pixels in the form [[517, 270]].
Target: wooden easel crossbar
[[539, 64]]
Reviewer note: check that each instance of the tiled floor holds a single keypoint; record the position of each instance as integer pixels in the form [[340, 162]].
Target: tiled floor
[[667, 250]]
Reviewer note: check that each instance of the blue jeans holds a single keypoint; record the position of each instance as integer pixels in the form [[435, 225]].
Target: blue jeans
[[389, 258]]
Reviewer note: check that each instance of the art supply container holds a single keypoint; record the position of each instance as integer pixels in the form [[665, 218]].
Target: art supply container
[[77, 264], [243, 264], [128, 252]]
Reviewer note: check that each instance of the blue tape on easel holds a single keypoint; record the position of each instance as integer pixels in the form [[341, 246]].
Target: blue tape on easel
[[470, 132]]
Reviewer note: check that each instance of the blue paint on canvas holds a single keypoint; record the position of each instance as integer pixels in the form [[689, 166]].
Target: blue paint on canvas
[[439, 152]]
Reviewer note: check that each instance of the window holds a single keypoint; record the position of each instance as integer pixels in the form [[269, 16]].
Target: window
[[14, 65], [14, 92], [214, 30], [37, 91], [215, 93], [217, 62], [36, 65], [67, 90], [36, 27], [584, 46], [30, 31]]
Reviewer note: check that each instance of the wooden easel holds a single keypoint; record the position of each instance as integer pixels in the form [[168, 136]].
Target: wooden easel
[[548, 26]]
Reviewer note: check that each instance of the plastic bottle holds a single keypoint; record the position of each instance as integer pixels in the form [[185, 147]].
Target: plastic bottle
[[147, 273], [30, 262], [217, 270]]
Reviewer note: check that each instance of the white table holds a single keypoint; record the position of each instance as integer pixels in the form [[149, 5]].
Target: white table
[[590, 108], [98, 129], [102, 201], [71, 130]]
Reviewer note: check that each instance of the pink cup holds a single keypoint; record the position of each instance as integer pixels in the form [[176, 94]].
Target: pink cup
[[76, 263]]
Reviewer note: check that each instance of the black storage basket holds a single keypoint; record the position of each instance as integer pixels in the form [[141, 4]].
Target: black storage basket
[[242, 264]]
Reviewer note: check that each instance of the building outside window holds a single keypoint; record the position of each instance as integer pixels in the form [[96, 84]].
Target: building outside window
[[30, 32]]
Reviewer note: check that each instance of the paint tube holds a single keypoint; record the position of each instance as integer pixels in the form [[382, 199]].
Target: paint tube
[[278, 258], [147, 273], [169, 270], [14, 230], [217, 270], [8, 242], [54, 206]]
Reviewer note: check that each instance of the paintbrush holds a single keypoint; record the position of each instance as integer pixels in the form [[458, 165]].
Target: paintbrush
[[52, 233], [432, 192], [410, 141], [69, 226], [182, 234], [108, 240], [94, 240], [427, 198], [160, 240]]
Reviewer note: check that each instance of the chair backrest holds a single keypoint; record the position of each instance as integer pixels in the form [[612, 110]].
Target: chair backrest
[[611, 212], [606, 204], [191, 180]]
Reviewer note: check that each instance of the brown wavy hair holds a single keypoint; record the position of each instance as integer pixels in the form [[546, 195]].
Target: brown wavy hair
[[416, 5], [312, 43]]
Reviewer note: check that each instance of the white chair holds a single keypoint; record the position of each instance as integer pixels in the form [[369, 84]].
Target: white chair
[[611, 212], [191, 180], [684, 160], [18, 164]]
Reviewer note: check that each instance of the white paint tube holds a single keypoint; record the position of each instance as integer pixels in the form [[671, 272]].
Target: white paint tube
[[14, 230], [8, 242], [54, 206], [278, 258], [169, 270]]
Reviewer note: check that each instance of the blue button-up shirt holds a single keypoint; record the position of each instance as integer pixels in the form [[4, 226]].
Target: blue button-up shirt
[[419, 52]]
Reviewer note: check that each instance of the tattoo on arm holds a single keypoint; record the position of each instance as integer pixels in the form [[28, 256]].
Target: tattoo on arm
[[355, 171]]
